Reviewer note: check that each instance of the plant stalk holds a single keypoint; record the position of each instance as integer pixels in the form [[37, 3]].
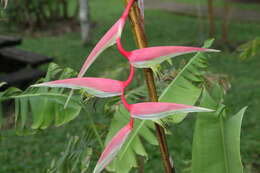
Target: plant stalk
[[141, 41]]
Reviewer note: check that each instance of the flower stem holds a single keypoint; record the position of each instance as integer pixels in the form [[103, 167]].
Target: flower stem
[[138, 30]]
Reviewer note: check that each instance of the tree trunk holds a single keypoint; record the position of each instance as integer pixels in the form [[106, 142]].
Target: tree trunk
[[211, 18], [84, 21], [76, 11], [65, 9], [226, 21]]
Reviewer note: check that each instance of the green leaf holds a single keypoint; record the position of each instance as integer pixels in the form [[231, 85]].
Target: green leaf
[[2, 84], [76, 157], [186, 88], [127, 157], [10, 92], [249, 49], [42, 107], [1, 116], [216, 141]]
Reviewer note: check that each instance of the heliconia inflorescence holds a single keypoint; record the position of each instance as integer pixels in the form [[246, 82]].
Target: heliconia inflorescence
[[102, 87]]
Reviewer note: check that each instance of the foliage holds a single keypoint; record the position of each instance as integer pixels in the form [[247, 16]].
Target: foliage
[[189, 81], [216, 142], [76, 157], [187, 85], [134, 145], [249, 49], [46, 109], [32, 13]]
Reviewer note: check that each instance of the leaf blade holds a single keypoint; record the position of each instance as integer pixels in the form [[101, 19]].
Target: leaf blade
[[216, 144], [182, 90]]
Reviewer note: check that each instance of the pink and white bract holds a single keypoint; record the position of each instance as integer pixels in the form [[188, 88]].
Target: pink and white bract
[[107, 40], [158, 110], [147, 57], [113, 147], [100, 87]]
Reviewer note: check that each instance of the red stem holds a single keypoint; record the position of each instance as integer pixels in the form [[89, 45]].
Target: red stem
[[121, 49], [127, 9], [130, 77], [126, 83], [127, 105], [131, 123]]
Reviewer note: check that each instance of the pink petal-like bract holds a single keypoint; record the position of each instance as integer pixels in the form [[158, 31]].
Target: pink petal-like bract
[[157, 110], [113, 147], [107, 40], [147, 57], [100, 87]]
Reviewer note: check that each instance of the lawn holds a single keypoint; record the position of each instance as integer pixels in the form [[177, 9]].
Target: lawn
[[34, 153], [248, 6]]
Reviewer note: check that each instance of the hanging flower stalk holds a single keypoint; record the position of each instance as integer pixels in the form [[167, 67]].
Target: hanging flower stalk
[[103, 87]]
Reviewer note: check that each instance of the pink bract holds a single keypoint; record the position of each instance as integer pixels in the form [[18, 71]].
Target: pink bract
[[158, 110], [147, 57], [107, 40], [113, 147], [100, 87]]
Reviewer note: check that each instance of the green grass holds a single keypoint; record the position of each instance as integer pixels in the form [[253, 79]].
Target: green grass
[[219, 3], [34, 153]]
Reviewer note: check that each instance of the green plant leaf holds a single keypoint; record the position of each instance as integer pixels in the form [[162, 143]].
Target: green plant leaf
[[127, 157], [76, 157], [1, 116], [2, 84], [249, 49], [216, 141], [186, 88], [42, 107]]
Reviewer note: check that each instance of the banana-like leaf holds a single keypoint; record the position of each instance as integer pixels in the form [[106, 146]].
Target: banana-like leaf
[[113, 147], [127, 156], [46, 109], [148, 57], [158, 110], [4, 95], [40, 107], [186, 87], [99, 87], [216, 141]]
